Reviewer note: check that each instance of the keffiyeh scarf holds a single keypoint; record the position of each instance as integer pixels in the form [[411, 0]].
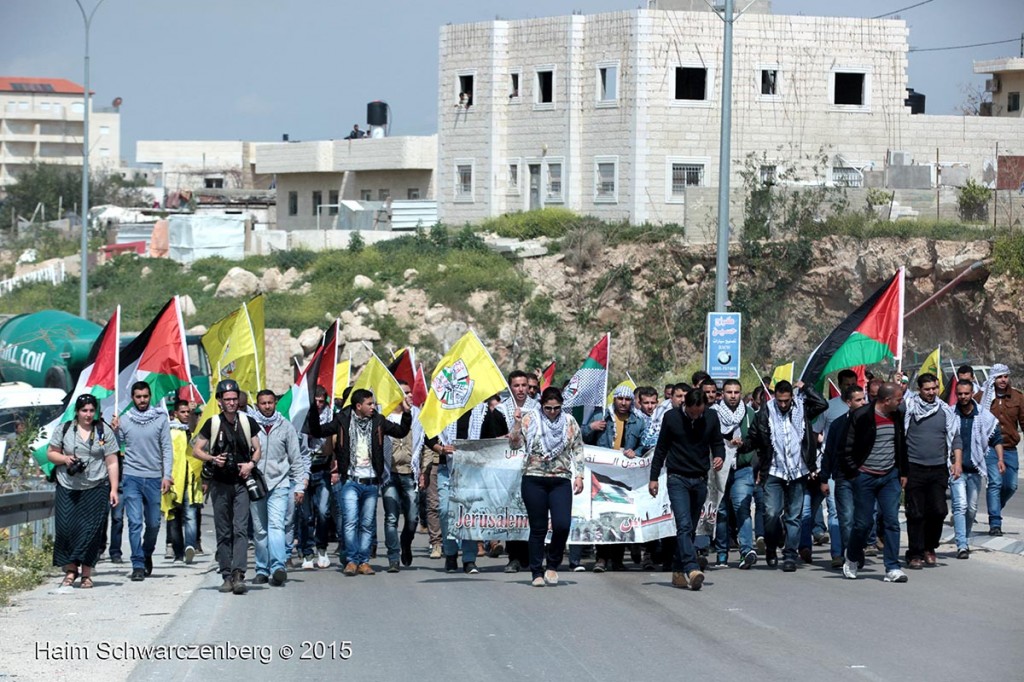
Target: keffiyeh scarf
[[787, 432], [134, 416], [918, 409]]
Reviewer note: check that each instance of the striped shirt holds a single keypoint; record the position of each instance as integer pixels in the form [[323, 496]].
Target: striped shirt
[[882, 457]]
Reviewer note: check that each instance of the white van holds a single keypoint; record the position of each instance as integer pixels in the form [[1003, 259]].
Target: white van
[[21, 403]]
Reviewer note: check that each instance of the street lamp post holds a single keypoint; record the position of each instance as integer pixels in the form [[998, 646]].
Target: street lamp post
[[83, 305], [722, 255]]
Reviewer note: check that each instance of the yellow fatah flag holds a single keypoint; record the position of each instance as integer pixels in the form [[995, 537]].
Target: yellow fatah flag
[[342, 376], [465, 377], [782, 373], [232, 347], [376, 378], [933, 365], [628, 383]]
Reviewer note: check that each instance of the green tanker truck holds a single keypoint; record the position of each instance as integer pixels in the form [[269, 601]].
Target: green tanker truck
[[49, 348]]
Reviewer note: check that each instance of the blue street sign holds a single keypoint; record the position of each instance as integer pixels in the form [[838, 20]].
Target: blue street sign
[[722, 348]]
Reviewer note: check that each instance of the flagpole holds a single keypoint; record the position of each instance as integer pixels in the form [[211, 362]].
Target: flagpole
[[899, 341], [608, 367], [117, 356]]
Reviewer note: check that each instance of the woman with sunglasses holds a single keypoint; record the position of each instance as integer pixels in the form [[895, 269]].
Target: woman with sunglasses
[[553, 473], [85, 457]]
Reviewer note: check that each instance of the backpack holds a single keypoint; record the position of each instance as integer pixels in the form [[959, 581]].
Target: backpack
[[52, 476]]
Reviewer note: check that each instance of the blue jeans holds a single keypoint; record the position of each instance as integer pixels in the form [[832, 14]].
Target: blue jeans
[[783, 502], [842, 492], [964, 491], [339, 517], [142, 506], [738, 493], [183, 527], [313, 514], [359, 509], [758, 511], [269, 518], [1001, 487], [450, 546], [812, 501], [686, 496], [400, 497], [885, 490]]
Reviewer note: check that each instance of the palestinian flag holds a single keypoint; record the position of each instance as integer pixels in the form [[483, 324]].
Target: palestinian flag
[[587, 388], [547, 376], [158, 356], [607, 489], [403, 366], [99, 378], [872, 333], [419, 387], [318, 371]]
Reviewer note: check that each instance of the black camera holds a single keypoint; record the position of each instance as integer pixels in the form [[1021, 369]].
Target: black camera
[[75, 467]]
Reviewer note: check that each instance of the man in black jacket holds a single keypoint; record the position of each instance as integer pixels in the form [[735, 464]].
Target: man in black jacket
[[359, 466], [875, 459], [787, 453], [689, 444]]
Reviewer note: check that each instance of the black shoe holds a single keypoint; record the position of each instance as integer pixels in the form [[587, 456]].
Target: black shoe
[[238, 583], [771, 557], [149, 566], [260, 579], [963, 554], [226, 586], [702, 562], [393, 567], [788, 566], [279, 578], [995, 532], [451, 564], [470, 568], [373, 552], [116, 559], [635, 554], [138, 575], [618, 566], [513, 567], [406, 554]]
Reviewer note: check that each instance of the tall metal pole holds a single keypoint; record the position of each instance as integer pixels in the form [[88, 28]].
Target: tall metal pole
[[83, 305], [724, 152]]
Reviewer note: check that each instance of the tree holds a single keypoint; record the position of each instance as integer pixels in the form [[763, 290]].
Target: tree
[[974, 96], [49, 184]]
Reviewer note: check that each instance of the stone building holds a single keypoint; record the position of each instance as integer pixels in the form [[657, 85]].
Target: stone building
[[617, 115], [202, 164], [42, 121]]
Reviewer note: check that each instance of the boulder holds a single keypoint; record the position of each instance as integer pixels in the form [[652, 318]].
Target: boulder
[[358, 332], [271, 280], [309, 339], [952, 259], [202, 279], [362, 282], [347, 317], [146, 271], [304, 289], [409, 274], [197, 330], [188, 307], [289, 278], [381, 307], [696, 274], [435, 315], [238, 283], [209, 286]]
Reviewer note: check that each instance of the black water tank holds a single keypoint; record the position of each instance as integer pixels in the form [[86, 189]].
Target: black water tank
[[914, 100], [377, 113]]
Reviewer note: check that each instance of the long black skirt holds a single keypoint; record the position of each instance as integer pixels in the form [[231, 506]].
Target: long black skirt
[[80, 518]]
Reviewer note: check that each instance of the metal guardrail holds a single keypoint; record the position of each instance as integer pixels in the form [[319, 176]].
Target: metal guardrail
[[19, 509]]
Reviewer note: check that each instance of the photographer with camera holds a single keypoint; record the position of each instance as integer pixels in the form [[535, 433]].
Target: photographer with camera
[[85, 455], [230, 445]]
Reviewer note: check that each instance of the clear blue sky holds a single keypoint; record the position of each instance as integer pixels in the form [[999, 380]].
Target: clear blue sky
[[254, 69]]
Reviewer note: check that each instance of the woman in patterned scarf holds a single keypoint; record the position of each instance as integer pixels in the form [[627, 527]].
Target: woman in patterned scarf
[[553, 473]]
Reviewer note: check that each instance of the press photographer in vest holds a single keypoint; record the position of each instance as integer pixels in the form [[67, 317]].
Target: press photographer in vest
[[229, 443]]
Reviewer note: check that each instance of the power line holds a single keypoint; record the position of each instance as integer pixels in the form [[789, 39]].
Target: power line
[[902, 9], [961, 47]]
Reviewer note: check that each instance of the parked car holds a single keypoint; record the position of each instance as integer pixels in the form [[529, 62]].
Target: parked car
[[22, 405]]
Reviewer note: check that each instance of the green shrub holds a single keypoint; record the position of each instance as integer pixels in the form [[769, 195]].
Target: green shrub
[[546, 222], [972, 200], [26, 569], [1008, 255]]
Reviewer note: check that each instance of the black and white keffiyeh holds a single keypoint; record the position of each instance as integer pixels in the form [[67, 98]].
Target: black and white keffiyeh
[[553, 434], [787, 433], [918, 409], [138, 418], [267, 422]]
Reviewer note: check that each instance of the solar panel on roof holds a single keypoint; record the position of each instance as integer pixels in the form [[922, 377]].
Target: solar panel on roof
[[31, 87]]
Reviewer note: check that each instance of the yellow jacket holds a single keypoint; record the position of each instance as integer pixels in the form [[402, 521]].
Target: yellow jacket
[[186, 472]]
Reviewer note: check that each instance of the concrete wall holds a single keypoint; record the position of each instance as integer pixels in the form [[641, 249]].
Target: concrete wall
[[645, 129], [188, 164]]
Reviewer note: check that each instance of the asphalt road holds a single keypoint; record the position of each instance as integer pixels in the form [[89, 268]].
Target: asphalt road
[[958, 621]]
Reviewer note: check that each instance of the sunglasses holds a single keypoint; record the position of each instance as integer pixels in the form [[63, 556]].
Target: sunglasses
[[552, 408]]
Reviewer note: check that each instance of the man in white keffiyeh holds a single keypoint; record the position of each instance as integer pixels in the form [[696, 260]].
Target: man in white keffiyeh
[[733, 485], [934, 451], [979, 431], [1007, 406]]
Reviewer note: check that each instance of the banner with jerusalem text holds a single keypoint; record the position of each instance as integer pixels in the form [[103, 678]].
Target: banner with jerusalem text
[[485, 501], [615, 506]]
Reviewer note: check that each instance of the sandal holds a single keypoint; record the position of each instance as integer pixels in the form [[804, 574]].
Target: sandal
[[69, 579], [86, 582]]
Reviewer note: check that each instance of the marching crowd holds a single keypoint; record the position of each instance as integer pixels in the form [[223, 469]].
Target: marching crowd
[[769, 474]]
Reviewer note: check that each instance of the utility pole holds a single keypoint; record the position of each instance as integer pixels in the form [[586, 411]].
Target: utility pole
[[724, 153], [83, 305]]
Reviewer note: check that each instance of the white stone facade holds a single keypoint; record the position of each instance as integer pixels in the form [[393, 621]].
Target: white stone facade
[[1005, 86], [617, 115], [38, 126], [202, 164], [322, 173]]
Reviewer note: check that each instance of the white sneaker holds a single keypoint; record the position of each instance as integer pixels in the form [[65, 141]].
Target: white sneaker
[[850, 570], [307, 562], [322, 560], [895, 576]]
